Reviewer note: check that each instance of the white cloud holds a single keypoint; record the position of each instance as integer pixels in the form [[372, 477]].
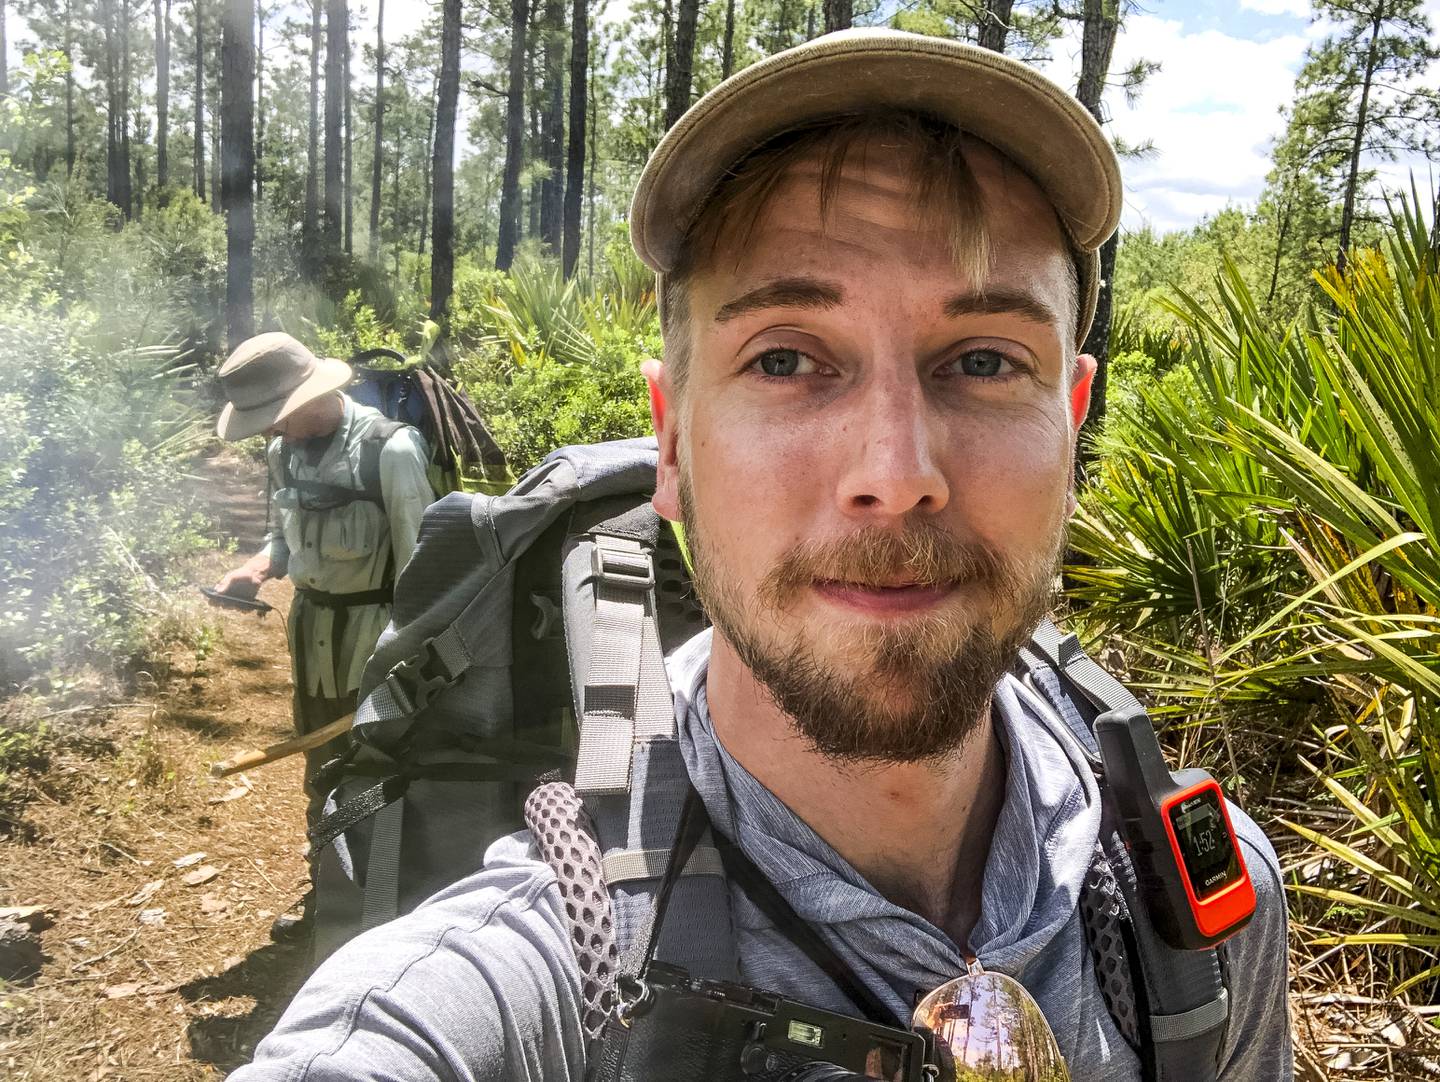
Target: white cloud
[[1300, 8], [1211, 110]]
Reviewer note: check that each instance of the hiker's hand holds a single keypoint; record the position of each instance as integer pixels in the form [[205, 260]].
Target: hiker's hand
[[245, 581]]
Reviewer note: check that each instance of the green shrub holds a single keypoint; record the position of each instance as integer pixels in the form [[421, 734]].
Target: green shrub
[[95, 510]]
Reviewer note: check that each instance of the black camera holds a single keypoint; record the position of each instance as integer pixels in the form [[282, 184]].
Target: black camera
[[674, 1026]]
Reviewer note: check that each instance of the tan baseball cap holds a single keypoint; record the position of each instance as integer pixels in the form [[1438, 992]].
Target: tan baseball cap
[[269, 377], [1022, 114]]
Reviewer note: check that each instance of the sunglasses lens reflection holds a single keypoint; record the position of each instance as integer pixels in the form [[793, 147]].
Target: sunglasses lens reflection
[[987, 1027]]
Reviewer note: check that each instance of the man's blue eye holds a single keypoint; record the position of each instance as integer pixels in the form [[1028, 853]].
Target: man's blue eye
[[779, 362], [983, 362]]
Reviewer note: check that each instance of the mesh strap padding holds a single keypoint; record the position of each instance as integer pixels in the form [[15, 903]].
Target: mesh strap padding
[[565, 833], [1106, 919]]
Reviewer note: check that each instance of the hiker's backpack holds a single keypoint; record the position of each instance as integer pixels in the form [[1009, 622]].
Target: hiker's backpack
[[462, 451], [527, 638]]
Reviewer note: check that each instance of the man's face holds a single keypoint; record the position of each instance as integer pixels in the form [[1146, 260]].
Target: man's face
[[317, 417], [873, 456]]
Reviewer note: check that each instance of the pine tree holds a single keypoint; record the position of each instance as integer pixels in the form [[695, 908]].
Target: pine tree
[[237, 165], [377, 158], [442, 258], [331, 225], [508, 234], [162, 92], [199, 11], [1366, 78], [575, 165]]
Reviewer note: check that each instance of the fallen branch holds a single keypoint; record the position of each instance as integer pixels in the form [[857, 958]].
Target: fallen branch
[[283, 750]]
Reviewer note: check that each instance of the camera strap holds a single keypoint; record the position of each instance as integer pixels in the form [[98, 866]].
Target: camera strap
[[740, 869]]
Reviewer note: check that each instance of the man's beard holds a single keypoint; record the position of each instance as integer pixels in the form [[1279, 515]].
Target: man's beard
[[904, 693]]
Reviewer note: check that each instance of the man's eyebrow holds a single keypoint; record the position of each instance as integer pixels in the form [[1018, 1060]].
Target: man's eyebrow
[[808, 293], [992, 302]]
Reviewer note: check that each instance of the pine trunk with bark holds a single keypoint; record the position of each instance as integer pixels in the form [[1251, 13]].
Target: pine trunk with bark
[[4, 55], [679, 74], [331, 223], [237, 166], [69, 93], [839, 15], [508, 235], [310, 230], [1101, 24], [575, 165], [1352, 179], [162, 92], [442, 169], [994, 24], [552, 126], [199, 134], [377, 160], [259, 99], [727, 49], [349, 149]]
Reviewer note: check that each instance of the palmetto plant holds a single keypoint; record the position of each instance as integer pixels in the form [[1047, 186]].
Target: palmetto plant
[[1265, 540]]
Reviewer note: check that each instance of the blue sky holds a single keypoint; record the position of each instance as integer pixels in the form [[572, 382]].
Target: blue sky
[[1213, 109]]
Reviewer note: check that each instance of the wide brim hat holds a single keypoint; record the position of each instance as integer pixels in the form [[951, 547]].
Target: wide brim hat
[[1024, 115], [269, 377]]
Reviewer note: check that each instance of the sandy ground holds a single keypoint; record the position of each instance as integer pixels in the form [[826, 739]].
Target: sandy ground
[[159, 962]]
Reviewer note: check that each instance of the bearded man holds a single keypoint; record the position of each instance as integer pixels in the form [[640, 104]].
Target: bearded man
[[878, 262]]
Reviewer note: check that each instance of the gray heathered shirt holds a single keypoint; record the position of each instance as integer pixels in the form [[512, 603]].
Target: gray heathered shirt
[[480, 982]]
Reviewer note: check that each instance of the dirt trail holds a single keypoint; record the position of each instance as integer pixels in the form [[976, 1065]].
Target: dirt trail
[[148, 977]]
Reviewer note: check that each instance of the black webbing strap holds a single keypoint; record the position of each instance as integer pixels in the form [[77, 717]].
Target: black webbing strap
[[692, 825], [741, 869], [384, 595], [357, 809], [795, 928]]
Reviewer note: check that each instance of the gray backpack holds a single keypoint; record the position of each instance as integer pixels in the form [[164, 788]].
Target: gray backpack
[[525, 660]]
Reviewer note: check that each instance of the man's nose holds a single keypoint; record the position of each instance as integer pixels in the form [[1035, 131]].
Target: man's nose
[[892, 461]]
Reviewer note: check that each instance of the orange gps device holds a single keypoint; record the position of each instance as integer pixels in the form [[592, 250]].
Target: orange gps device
[[1191, 873]]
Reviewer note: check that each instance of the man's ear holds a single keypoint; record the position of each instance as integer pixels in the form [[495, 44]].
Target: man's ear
[[1083, 379], [667, 474]]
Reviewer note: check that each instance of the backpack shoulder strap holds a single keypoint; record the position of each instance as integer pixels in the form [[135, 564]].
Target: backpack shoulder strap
[[1171, 1005], [370, 448]]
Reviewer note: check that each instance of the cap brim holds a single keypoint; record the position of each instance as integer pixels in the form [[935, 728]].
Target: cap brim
[[235, 424], [1025, 116]]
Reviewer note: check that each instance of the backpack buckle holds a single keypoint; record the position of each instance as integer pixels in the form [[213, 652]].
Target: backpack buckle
[[413, 681], [628, 569]]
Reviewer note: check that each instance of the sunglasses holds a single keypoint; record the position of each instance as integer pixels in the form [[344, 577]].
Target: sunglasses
[[986, 1027]]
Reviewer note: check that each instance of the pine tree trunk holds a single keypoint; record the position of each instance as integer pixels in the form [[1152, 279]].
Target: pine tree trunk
[[1352, 180], [552, 126], [69, 94], [727, 53], [349, 148], [442, 259], [373, 247], [4, 55], [678, 76], [839, 15], [311, 226], [994, 24], [259, 99], [507, 236], [237, 166], [331, 224], [590, 176], [575, 166], [127, 201], [1097, 45], [426, 184], [162, 92], [534, 147], [199, 99]]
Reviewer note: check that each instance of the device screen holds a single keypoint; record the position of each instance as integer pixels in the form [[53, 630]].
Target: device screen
[[1205, 843]]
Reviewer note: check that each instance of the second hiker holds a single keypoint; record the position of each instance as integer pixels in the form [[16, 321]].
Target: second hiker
[[349, 487]]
